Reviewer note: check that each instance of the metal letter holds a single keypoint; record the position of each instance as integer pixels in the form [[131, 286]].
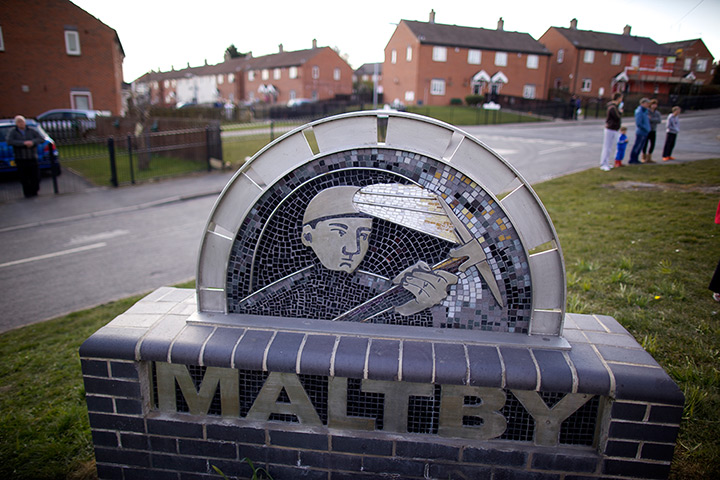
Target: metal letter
[[198, 401], [549, 420], [395, 411], [453, 409], [300, 405], [337, 408]]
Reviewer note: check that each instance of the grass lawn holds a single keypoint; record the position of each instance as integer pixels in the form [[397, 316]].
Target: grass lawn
[[463, 115], [639, 243]]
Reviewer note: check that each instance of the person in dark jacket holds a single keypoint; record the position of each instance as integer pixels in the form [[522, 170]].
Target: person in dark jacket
[[24, 141], [613, 120]]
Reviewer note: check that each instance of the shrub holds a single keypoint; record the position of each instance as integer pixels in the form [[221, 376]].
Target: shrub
[[455, 101], [474, 100]]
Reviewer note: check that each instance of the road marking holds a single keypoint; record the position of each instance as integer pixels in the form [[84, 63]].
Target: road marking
[[52, 255], [80, 239]]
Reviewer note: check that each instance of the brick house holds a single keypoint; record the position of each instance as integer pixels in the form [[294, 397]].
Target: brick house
[[597, 64], [54, 54], [431, 63], [693, 64], [318, 73]]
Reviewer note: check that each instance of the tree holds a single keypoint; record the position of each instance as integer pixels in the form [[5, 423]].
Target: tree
[[232, 52]]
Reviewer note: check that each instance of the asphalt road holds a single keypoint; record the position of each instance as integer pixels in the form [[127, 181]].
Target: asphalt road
[[66, 253]]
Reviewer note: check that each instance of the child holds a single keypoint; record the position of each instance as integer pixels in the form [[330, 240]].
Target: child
[[673, 127], [621, 146]]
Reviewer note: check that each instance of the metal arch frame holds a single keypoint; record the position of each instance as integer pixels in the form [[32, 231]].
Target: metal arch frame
[[407, 132]]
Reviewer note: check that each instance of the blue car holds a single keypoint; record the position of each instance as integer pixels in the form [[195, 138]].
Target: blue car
[[46, 150]]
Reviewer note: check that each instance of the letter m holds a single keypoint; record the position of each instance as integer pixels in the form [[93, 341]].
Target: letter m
[[199, 401]]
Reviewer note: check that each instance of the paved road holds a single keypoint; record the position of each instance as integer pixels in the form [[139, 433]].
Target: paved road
[[68, 252]]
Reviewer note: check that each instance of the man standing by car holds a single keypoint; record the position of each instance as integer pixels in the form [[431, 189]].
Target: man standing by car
[[24, 141]]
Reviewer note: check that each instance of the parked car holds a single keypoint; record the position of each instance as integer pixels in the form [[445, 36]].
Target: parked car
[[46, 150], [296, 102], [65, 124]]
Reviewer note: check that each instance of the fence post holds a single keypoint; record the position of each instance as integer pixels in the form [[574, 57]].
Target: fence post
[[272, 130], [132, 170], [113, 168], [207, 147], [54, 168]]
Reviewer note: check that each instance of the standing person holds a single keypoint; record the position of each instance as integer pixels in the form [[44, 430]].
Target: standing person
[[613, 119], [715, 280], [621, 146], [24, 141], [673, 128], [655, 120], [642, 128]]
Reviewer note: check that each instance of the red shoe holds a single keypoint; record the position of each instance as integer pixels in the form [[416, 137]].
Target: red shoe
[[665, 159], [671, 158]]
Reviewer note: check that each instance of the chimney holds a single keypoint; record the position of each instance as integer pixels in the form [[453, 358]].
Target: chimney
[[280, 48], [432, 16], [626, 30], [501, 24], [314, 43], [206, 62], [573, 24]]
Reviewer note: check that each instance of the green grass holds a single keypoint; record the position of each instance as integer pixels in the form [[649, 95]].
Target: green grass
[[463, 115], [644, 257]]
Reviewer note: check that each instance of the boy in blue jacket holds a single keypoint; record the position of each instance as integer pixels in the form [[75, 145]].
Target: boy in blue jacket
[[621, 146]]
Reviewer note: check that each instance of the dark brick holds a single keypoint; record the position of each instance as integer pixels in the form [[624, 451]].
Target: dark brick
[[485, 366], [174, 429], [520, 368], [394, 466], [364, 446], [128, 407], [110, 342], [116, 388], [629, 411], [509, 458], [218, 350], [443, 470], [316, 355], [109, 472], [660, 414], [102, 421], [283, 456], [124, 370], [104, 439], [207, 449], [95, 368], [417, 362], [635, 469], [235, 434], [282, 355], [99, 404], [350, 476], [251, 349], [426, 451], [656, 451], [637, 356], [643, 431], [566, 463], [234, 468], [144, 474], [163, 444], [555, 373], [134, 442], [450, 364], [350, 357], [383, 360], [198, 476], [280, 472], [122, 457], [645, 384], [593, 377], [178, 462], [616, 448], [188, 344], [331, 461], [306, 441], [507, 474]]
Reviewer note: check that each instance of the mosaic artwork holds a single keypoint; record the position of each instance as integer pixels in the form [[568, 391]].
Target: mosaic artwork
[[381, 236]]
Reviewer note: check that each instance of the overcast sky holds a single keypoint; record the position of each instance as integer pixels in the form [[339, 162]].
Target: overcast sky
[[157, 35]]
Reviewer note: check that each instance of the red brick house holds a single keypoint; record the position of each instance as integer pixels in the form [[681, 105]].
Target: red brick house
[[431, 63], [693, 65], [54, 54], [596, 64]]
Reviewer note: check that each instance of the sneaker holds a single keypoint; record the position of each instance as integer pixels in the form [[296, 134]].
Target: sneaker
[[605, 168], [665, 159], [716, 297], [671, 158]]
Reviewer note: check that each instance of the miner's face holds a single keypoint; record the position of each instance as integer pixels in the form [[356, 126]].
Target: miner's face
[[340, 243]]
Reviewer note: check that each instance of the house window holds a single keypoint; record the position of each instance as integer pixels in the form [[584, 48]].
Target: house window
[[659, 63], [586, 85], [408, 54], [315, 72], [529, 91], [615, 59], [501, 59], [589, 56], [409, 96], [293, 72], [702, 65], [220, 79], [276, 74], [439, 54], [81, 100], [688, 64], [251, 75], [293, 95], [265, 74], [231, 78], [635, 61], [474, 57], [561, 56], [393, 56], [2, 42], [670, 60], [437, 86], [72, 42], [532, 62], [166, 83], [336, 74]]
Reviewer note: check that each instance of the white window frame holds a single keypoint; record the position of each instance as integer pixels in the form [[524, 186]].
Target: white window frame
[[265, 74], [408, 53], [501, 59], [701, 65], [586, 85], [474, 57], [529, 91], [589, 56], [437, 86], [393, 56], [439, 54], [635, 61], [75, 95], [533, 62], [70, 36], [659, 61], [615, 59], [336, 73], [409, 96], [251, 76], [2, 41], [277, 74], [315, 72], [293, 72], [220, 79], [166, 83], [231, 78], [688, 64], [561, 55]]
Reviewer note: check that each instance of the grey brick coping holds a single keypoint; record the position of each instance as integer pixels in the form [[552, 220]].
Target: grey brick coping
[[603, 358]]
